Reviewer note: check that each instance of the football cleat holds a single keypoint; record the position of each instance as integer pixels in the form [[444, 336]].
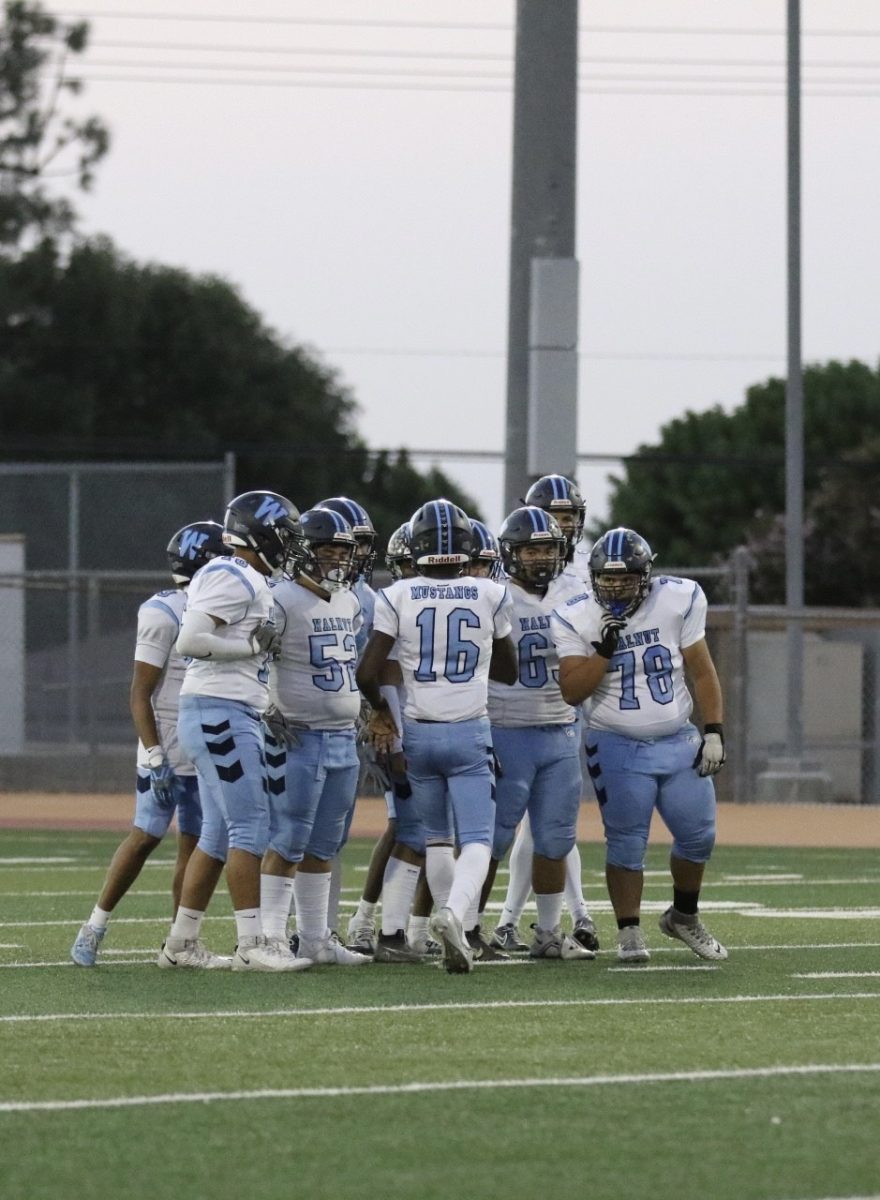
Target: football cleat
[[84, 951], [394, 948], [361, 935], [584, 933], [191, 953], [329, 951], [458, 958], [553, 943], [631, 946], [256, 954], [484, 952], [506, 938], [690, 929]]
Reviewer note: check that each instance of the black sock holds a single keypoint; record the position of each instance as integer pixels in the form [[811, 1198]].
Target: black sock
[[628, 922], [685, 902]]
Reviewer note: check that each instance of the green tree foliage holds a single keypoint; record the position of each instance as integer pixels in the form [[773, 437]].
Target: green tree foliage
[[717, 480], [102, 357], [39, 139]]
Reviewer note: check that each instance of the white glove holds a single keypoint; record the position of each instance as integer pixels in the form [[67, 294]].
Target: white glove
[[710, 757]]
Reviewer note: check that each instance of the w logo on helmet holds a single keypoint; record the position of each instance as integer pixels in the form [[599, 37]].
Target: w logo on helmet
[[191, 543], [270, 511]]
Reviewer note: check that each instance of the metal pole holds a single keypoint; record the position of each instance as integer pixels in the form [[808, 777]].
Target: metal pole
[[739, 705], [73, 661], [794, 403], [228, 476], [543, 200]]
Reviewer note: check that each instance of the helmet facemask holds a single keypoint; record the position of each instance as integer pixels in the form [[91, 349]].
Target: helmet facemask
[[621, 592]]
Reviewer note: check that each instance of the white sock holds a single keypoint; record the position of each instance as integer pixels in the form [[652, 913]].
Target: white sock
[[417, 929], [471, 867], [520, 883], [472, 917], [365, 912], [312, 892], [335, 893], [276, 893], [574, 889], [549, 910], [187, 924], [248, 923], [99, 918], [440, 869], [398, 892]]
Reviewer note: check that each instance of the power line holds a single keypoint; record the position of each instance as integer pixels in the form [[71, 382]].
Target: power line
[[431, 73], [475, 56], [506, 27], [595, 355], [773, 91]]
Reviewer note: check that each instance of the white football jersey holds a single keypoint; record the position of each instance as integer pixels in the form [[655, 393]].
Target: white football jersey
[[535, 698], [231, 589], [157, 629], [444, 629], [643, 693], [312, 681]]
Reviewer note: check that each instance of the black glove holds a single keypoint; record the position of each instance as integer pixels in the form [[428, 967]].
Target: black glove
[[611, 629], [710, 757], [279, 729]]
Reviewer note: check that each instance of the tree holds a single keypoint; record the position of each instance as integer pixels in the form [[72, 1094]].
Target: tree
[[102, 357], [36, 137], [717, 480]]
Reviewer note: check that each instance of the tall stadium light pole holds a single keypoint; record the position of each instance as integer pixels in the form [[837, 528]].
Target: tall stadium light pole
[[542, 304], [794, 402]]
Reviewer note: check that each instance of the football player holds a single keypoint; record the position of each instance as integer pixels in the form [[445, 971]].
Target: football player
[[313, 762], [166, 779], [396, 869], [228, 631], [534, 731], [625, 649], [449, 630], [562, 499], [361, 582]]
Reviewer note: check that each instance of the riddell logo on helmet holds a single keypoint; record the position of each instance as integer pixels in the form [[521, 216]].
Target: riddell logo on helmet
[[441, 560]]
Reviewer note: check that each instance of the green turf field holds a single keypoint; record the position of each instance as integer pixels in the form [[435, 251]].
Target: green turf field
[[678, 1080]]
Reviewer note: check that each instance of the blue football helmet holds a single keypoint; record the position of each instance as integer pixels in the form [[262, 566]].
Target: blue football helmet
[[561, 496], [193, 546], [363, 530], [485, 550], [322, 527], [267, 524], [532, 526], [621, 562], [440, 535]]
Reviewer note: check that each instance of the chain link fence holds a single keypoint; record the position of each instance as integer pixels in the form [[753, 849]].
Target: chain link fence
[[67, 641]]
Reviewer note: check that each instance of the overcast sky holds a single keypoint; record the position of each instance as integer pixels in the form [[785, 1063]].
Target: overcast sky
[[347, 164]]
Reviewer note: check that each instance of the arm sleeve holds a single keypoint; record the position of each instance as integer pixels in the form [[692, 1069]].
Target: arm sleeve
[[199, 639]]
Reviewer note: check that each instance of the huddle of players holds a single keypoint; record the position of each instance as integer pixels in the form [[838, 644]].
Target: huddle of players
[[269, 703]]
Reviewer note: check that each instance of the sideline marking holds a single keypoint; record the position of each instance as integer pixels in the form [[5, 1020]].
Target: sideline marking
[[838, 975], [454, 1006], [456, 1085]]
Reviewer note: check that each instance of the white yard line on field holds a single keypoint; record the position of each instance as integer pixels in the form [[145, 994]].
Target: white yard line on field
[[455, 1085], [453, 1006]]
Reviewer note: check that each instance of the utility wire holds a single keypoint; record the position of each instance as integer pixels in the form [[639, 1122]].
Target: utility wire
[[506, 27]]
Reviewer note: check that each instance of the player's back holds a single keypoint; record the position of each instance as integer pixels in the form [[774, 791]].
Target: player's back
[[444, 629]]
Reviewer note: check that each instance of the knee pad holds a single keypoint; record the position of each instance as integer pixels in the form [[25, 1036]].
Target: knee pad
[[626, 850]]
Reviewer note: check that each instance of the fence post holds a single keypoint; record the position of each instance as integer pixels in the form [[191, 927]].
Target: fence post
[[739, 681]]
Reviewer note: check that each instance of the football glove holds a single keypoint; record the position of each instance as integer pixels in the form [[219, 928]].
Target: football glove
[[266, 639], [710, 757], [279, 729], [609, 635], [165, 784]]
